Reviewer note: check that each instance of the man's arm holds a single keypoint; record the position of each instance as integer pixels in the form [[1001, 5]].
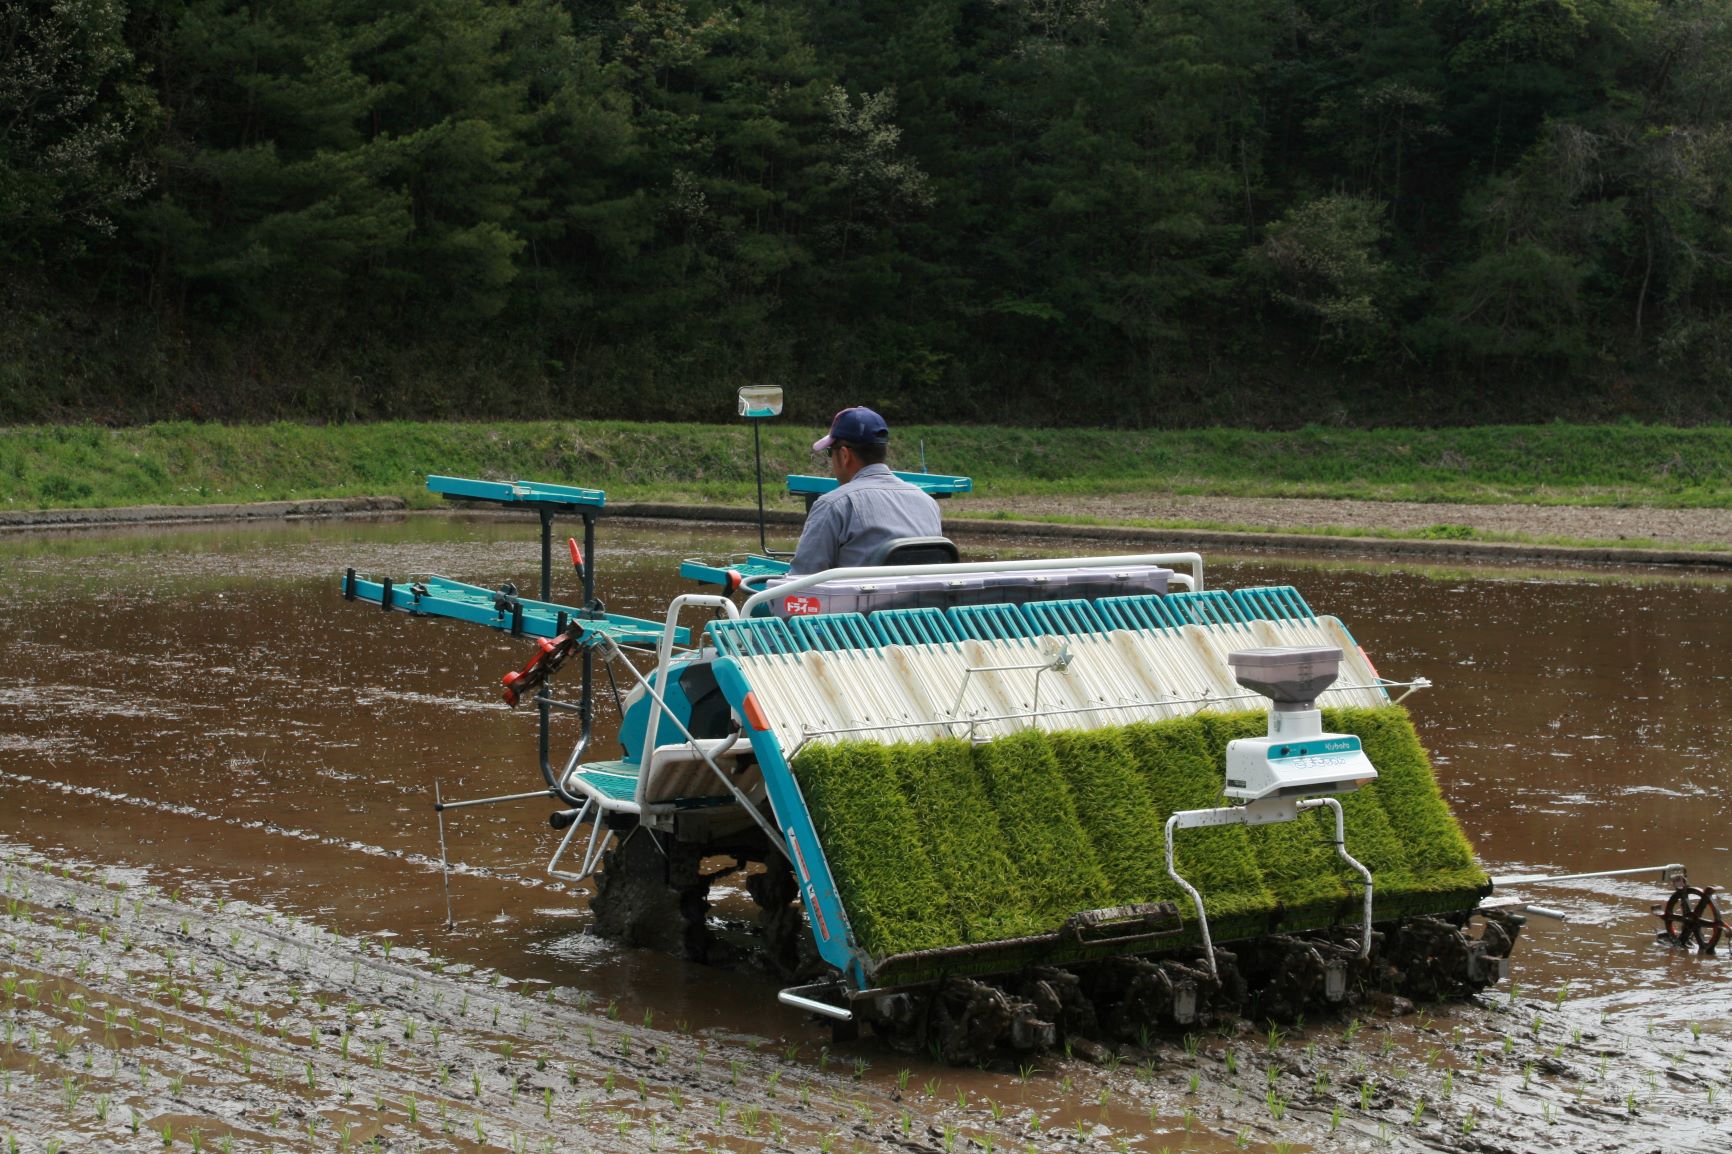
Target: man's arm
[[821, 539]]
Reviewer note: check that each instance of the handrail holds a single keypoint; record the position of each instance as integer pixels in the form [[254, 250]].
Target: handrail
[[709, 756], [854, 572], [973, 720], [663, 652]]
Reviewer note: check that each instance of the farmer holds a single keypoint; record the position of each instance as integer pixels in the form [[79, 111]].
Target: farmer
[[870, 505]]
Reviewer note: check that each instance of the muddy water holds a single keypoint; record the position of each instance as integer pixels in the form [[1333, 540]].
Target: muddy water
[[202, 705], [205, 703]]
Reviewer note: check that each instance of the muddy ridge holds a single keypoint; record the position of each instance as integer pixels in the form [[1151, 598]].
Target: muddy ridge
[[1621, 535]]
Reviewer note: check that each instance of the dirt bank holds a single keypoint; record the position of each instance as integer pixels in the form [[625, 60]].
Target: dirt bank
[[1666, 530], [1679, 528], [1642, 531], [182, 514], [1315, 527], [140, 1020]]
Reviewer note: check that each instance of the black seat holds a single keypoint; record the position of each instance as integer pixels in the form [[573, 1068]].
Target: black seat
[[916, 551]]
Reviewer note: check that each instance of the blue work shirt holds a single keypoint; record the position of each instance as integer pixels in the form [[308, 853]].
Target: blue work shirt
[[851, 522]]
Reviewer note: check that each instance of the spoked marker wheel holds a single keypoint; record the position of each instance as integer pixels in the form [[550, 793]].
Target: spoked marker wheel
[[1690, 918]]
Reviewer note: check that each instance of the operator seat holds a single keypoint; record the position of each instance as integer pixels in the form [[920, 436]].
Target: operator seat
[[916, 551]]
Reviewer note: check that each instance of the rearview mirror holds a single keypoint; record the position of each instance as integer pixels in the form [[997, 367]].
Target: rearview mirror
[[760, 401]]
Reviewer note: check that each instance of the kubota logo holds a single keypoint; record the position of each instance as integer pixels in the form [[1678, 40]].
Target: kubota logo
[[799, 606]]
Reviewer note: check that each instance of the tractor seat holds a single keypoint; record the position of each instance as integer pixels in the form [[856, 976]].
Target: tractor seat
[[916, 551]]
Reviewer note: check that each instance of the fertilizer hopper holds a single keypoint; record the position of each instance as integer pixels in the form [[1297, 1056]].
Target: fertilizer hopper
[[980, 817]]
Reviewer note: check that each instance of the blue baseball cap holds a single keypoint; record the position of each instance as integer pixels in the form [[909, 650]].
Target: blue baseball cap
[[856, 426]]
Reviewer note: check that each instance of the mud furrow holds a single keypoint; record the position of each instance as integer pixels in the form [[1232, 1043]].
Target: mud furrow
[[261, 1033], [274, 829], [133, 1018]]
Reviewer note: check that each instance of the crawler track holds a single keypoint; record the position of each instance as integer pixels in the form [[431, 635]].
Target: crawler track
[[1129, 999], [653, 892]]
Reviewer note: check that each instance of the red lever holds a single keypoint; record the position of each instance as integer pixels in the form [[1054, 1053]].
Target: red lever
[[576, 555], [549, 656]]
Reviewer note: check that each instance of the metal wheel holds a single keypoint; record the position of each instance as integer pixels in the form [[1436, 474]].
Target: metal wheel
[[1692, 919], [783, 922], [652, 892]]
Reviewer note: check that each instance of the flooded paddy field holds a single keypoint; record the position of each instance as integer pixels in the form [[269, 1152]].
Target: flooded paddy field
[[224, 912]]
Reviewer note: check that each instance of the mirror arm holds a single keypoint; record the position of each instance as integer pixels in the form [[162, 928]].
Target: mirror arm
[[758, 457]]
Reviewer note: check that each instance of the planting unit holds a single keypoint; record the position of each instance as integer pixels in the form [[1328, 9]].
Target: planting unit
[[996, 805]]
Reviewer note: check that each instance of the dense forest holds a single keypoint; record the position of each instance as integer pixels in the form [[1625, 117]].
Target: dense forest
[[1132, 212]]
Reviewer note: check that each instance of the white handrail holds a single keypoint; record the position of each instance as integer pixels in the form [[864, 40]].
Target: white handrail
[[855, 572], [663, 652]]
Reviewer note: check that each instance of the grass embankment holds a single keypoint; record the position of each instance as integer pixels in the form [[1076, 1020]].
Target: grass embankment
[[941, 844], [189, 464]]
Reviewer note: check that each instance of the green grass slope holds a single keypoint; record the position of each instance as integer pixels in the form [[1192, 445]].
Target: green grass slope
[[183, 463]]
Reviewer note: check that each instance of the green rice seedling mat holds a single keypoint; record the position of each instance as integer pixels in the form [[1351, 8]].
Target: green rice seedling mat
[[944, 844]]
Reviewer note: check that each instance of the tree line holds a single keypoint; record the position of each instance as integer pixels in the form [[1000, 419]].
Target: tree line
[[1109, 211]]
